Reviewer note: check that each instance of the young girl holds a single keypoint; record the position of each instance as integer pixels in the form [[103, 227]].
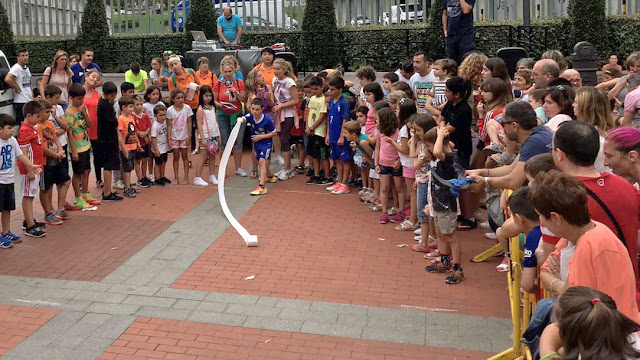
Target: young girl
[[209, 135], [374, 176], [406, 109], [256, 88], [496, 68], [297, 133], [394, 97], [495, 93], [367, 186], [387, 161], [285, 114], [362, 151], [152, 98], [522, 82], [443, 69], [589, 327], [558, 106], [142, 125], [592, 107], [155, 73], [179, 127], [372, 93]]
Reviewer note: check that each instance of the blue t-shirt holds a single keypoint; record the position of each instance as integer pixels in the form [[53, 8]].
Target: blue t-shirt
[[530, 246], [78, 72], [537, 143], [261, 127], [337, 112], [457, 22], [230, 27]]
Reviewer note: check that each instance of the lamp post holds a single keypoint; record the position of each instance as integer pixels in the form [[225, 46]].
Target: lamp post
[[526, 12]]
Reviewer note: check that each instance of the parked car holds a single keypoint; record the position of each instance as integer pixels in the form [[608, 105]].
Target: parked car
[[396, 14], [6, 92], [414, 12], [360, 20]]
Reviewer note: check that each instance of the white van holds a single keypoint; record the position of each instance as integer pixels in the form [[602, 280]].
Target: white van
[[393, 19], [6, 92]]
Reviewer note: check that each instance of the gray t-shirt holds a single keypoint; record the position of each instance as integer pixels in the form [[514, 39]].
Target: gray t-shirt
[[23, 80]]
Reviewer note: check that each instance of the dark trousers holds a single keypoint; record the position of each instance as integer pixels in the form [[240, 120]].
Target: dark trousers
[[97, 159], [17, 107], [459, 45]]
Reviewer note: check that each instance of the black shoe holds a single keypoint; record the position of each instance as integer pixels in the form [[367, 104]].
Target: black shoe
[[111, 197], [130, 193], [148, 181], [334, 171], [299, 169], [35, 231], [312, 181], [142, 183], [165, 180], [159, 182], [36, 224], [325, 181], [310, 173], [467, 224]]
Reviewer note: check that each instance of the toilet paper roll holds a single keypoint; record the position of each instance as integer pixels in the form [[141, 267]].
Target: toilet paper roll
[[191, 91]]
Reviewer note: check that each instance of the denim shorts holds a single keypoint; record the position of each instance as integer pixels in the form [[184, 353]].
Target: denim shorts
[[390, 170], [422, 202]]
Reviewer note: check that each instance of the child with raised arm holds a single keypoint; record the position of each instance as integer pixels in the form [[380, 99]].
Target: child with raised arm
[[262, 133], [160, 144]]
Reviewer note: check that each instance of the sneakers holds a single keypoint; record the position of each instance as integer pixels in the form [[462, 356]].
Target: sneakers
[[144, 183], [504, 265], [114, 197], [398, 217], [151, 178], [129, 192], [491, 236], [165, 180], [4, 243], [299, 169], [259, 190], [342, 189], [312, 181], [12, 237], [310, 172], [286, 174], [69, 207], [417, 238], [438, 268], [81, 203], [324, 181], [417, 231], [272, 179], [392, 211], [118, 185], [37, 224], [241, 172], [90, 199], [384, 218], [158, 182], [455, 277], [279, 159], [198, 181], [466, 224], [35, 231], [484, 225], [99, 184], [51, 219], [213, 180], [334, 186], [61, 214]]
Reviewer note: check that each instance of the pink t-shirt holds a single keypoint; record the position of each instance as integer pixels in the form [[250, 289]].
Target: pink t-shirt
[[388, 152], [632, 102], [370, 125]]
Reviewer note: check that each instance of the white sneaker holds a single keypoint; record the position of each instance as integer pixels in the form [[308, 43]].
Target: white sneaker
[[291, 173], [417, 238], [241, 172], [284, 175], [151, 177], [491, 236], [279, 159], [504, 266], [119, 185], [198, 181], [213, 180], [417, 231], [484, 225], [277, 173]]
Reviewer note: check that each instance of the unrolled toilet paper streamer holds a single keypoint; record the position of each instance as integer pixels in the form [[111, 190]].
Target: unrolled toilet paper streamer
[[250, 240]]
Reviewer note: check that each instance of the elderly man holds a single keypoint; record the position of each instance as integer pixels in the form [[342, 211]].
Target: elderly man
[[229, 27], [544, 72], [573, 76]]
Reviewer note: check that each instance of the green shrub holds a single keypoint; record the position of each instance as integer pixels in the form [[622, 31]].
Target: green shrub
[[202, 17], [589, 23], [320, 38], [436, 37], [94, 22], [6, 33]]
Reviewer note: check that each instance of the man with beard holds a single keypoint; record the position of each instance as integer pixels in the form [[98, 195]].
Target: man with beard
[[520, 125]]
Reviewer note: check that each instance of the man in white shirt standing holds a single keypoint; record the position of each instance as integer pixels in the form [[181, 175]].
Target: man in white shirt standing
[[423, 80], [19, 79]]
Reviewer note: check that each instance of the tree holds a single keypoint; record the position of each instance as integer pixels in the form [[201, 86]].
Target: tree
[[321, 43], [94, 24], [589, 23], [6, 33], [435, 34], [202, 17]]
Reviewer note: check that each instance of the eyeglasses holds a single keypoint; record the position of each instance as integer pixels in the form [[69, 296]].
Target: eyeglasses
[[168, 52], [551, 147]]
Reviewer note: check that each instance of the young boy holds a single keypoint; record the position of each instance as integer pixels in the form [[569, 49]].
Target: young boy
[[126, 89], [78, 134], [445, 206], [443, 69], [129, 144], [340, 151], [317, 132], [31, 181], [388, 79], [54, 171], [526, 218], [108, 139], [536, 100], [143, 128], [262, 133], [363, 152], [160, 144], [10, 151], [52, 94]]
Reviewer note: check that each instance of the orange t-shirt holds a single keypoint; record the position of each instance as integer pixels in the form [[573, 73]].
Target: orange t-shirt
[[182, 82], [47, 133], [600, 261], [210, 79], [127, 128], [268, 75]]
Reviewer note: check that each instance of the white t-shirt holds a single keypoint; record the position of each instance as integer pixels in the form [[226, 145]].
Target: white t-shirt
[[23, 80], [282, 94], [179, 122], [210, 124], [421, 86], [148, 109], [60, 115], [153, 75], [159, 131], [554, 123], [9, 152], [405, 160], [402, 78]]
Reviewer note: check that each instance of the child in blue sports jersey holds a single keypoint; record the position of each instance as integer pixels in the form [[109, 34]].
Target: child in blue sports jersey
[[262, 133], [339, 112]]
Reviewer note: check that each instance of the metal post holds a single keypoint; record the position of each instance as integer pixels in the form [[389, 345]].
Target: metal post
[[299, 8], [526, 12], [284, 15]]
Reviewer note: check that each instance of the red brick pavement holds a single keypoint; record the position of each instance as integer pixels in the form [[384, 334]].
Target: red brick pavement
[[19, 322], [318, 246], [94, 243], [149, 338]]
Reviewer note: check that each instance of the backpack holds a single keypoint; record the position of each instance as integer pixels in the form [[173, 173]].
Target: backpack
[[189, 70]]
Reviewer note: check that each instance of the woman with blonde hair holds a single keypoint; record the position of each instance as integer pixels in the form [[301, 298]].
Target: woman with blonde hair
[[60, 75], [556, 56], [592, 106], [233, 61], [285, 114]]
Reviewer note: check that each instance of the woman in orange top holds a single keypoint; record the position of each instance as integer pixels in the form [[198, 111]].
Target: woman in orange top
[[181, 79], [266, 66], [203, 74]]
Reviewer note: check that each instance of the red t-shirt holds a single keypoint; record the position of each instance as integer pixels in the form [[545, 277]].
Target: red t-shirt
[[28, 137], [225, 96], [92, 110], [495, 114], [142, 123], [300, 130], [623, 201]]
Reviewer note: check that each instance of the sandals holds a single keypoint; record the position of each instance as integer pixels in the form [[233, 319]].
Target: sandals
[[435, 254], [406, 225], [254, 174], [418, 248], [376, 207]]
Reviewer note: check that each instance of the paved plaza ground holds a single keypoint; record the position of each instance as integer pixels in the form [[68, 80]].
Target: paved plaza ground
[[163, 276]]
